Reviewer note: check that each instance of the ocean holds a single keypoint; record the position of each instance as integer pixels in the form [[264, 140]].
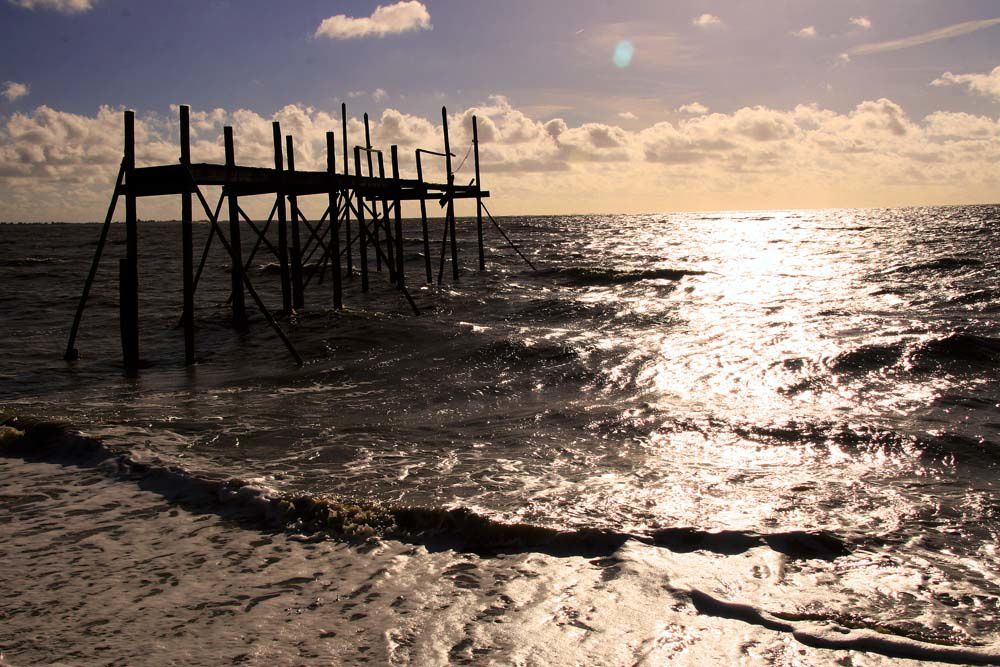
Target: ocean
[[764, 437]]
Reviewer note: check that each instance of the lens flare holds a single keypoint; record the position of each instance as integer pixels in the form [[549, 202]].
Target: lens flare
[[623, 53]]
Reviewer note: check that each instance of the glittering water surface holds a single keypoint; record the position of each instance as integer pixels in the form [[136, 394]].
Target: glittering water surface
[[754, 373]]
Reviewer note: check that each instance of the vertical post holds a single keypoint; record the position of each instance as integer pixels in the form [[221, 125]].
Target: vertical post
[[279, 165], [128, 275], [298, 299], [400, 279], [347, 212], [368, 152], [331, 167], [450, 220], [479, 198], [187, 242], [423, 221], [385, 218], [361, 223], [236, 245]]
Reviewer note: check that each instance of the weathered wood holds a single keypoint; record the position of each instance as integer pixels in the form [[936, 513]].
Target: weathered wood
[[214, 220], [286, 282], [400, 276], [173, 180], [450, 193], [512, 244], [423, 223], [208, 246], [128, 316], [385, 222], [331, 167], [72, 354], [368, 153], [187, 243], [235, 242], [129, 272], [298, 298], [479, 198], [361, 225], [345, 194]]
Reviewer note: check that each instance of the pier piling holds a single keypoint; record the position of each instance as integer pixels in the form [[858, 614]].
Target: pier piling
[[375, 200]]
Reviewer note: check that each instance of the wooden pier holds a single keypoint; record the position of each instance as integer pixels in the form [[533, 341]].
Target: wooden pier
[[371, 200]]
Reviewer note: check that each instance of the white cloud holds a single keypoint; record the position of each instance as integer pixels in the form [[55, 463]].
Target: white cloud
[[694, 108], [923, 38], [13, 90], [983, 84], [60, 165], [807, 32], [64, 6], [862, 22], [627, 115], [385, 20], [379, 94], [706, 20]]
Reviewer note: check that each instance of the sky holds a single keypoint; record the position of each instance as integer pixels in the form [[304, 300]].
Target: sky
[[585, 106]]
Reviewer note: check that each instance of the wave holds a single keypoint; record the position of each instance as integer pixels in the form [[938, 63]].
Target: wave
[[461, 529], [517, 351], [947, 263], [597, 277], [964, 347], [950, 351], [829, 632], [17, 262]]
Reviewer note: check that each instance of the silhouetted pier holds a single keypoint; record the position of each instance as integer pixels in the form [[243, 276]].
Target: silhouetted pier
[[372, 201]]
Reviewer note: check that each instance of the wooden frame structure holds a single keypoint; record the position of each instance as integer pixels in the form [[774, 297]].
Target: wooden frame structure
[[372, 201]]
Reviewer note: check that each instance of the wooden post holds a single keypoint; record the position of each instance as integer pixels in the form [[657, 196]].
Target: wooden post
[[400, 278], [298, 299], [187, 242], [389, 252], [128, 274], [361, 223], [368, 152], [331, 167], [423, 221], [239, 302], [347, 215], [450, 220], [479, 198], [279, 165]]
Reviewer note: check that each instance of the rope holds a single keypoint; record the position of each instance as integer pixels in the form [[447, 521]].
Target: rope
[[462, 163]]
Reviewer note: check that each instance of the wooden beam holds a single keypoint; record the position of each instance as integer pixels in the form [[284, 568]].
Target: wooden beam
[[331, 167], [235, 242], [298, 298], [286, 283], [128, 270]]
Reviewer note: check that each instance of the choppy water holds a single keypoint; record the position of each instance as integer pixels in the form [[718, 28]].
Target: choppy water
[[768, 437]]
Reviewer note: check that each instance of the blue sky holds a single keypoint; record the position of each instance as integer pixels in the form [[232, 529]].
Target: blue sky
[[549, 60]]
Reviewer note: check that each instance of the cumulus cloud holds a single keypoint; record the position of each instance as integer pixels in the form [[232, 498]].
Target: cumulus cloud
[[983, 84], [627, 115], [806, 32], [392, 19], [694, 108], [706, 20], [64, 6], [862, 22], [12, 90], [60, 165], [947, 32], [379, 94]]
